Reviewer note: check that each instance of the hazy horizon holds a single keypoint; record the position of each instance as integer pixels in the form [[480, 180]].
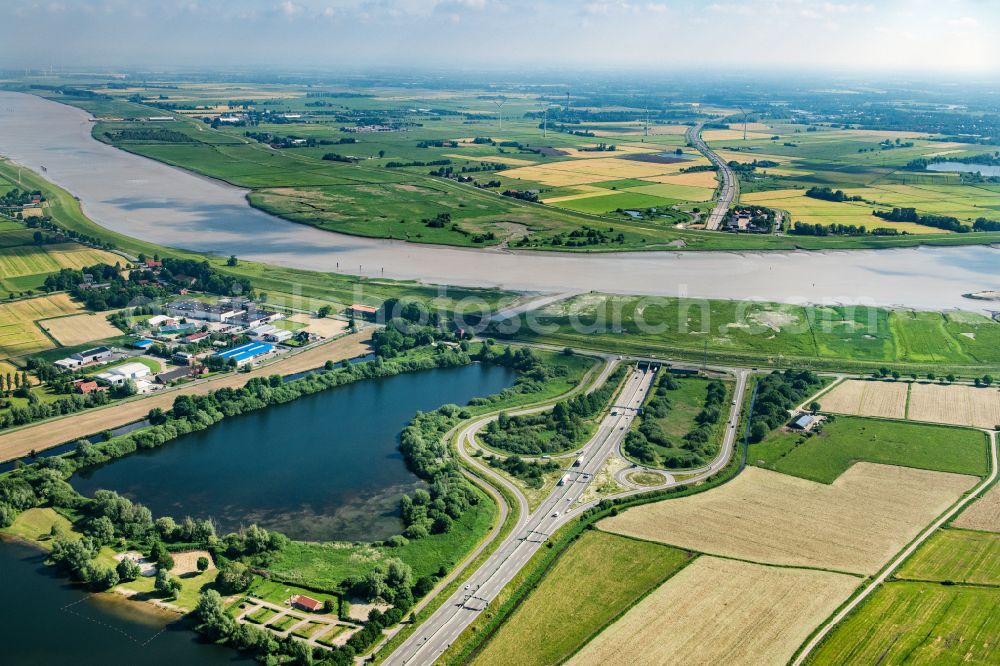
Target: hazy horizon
[[955, 36]]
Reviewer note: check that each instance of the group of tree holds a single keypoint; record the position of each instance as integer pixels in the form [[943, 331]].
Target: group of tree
[[532, 472], [696, 446], [777, 393], [553, 431], [828, 194], [807, 229], [945, 222]]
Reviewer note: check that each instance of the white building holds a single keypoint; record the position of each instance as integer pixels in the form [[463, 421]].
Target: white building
[[278, 336], [123, 373]]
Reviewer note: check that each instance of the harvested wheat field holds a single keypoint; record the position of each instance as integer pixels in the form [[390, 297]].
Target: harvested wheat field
[[78, 329], [186, 562], [18, 333], [854, 524], [955, 404], [867, 398], [983, 514], [325, 327], [718, 611]]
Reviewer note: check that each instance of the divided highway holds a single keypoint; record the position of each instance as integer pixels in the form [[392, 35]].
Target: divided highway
[[729, 188], [439, 631], [436, 634]]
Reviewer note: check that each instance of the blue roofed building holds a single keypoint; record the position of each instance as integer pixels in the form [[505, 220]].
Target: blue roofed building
[[246, 353]]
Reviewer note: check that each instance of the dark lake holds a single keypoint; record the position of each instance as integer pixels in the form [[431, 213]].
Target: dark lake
[[324, 467], [46, 620]]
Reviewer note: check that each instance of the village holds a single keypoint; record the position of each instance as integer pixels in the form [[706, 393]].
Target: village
[[196, 338]]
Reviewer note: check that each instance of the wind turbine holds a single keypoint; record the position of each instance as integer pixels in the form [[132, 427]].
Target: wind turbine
[[744, 122], [499, 102]]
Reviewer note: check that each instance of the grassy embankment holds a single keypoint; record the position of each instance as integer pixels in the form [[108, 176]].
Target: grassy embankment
[[773, 334]]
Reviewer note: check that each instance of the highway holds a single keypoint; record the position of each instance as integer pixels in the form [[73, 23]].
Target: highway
[[730, 186], [439, 631], [436, 634]]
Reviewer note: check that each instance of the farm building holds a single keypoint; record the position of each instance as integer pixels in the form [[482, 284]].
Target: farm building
[[92, 355], [278, 336], [363, 311], [172, 375], [247, 353], [82, 358], [160, 320], [83, 386], [803, 421], [182, 358], [195, 337], [262, 332], [123, 373], [305, 603], [221, 311]]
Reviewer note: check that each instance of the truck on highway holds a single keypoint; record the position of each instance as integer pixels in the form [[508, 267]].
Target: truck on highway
[[578, 462], [563, 481]]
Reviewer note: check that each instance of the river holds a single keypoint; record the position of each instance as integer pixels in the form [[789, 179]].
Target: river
[[961, 167], [324, 467], [46, 620], [162, 204]]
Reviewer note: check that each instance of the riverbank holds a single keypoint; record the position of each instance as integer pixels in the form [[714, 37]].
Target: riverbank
[[171, 207]]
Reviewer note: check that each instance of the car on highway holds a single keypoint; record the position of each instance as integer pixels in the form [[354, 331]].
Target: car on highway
[[555, 514]]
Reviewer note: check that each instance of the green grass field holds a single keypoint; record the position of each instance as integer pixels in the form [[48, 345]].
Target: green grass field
[[772, 333], [577, 598], [825, 456], [325, 566], [918, 623], [960, 556]]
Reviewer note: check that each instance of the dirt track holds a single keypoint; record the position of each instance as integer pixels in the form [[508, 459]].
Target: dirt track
[[52, 433]]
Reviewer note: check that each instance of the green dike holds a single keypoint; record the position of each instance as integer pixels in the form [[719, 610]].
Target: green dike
[[845, 440], [919, 623], [958, 556], [579, 598], [770, 334]]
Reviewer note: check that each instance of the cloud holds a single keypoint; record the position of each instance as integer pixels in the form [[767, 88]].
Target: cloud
[[964, 22]]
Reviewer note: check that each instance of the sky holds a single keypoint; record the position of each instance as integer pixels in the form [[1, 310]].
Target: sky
[[662, 35]]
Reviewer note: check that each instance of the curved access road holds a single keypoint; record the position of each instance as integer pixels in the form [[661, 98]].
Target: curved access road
[[729, 187], [884, 575], [436, 634]]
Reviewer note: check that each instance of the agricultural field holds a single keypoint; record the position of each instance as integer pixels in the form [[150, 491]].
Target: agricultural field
[[918, 623], [446, 153], [854, 524], [958, 404], [718, 611], [640, 567], [885, 399], [960, 556], [25, 260], [983, 514], [79, 329], [844, 441], [19, 335], [766, 332]]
